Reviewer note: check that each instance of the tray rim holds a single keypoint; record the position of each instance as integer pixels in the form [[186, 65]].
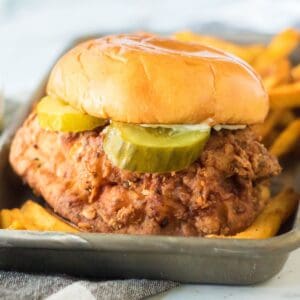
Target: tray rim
[[284, 243]]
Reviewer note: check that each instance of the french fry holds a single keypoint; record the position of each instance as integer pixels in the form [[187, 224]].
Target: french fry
[[6, 218], [16, 225], [279, 73], [247, 52], [287, 117], [11, 219], [280, 47], [287, 139], [252, 51], [38, 218], [296, 73], [273, 118], [285, 96]]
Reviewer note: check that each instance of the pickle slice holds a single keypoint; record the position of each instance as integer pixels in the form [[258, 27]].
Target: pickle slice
[[54, 114], [145, 149]]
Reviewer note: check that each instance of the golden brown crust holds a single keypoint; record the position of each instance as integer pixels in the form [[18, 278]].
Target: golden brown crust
[[142, 78]]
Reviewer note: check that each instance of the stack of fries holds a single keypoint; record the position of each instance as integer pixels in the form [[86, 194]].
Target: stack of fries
[[280, 132]]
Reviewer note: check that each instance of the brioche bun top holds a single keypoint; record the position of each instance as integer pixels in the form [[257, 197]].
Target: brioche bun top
[[143, 78]]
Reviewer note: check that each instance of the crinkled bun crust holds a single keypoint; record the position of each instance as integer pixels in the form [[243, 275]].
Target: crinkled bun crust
[[142, 78]]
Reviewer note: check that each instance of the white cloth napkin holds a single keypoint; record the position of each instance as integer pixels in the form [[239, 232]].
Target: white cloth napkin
[[18, 285]]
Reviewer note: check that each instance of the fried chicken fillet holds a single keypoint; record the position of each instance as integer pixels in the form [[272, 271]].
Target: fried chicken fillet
[[217, 194]]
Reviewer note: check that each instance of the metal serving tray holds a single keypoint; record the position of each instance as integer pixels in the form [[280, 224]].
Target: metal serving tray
[[183, 259]]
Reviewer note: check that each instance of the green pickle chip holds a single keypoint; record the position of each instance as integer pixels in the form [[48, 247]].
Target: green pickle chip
[[54, 114], [146, 149]]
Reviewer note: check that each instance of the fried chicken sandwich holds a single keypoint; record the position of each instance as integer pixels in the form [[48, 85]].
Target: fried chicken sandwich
[[142, 134]]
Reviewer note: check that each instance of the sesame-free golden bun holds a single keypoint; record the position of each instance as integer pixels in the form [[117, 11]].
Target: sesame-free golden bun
[[143, 78]]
